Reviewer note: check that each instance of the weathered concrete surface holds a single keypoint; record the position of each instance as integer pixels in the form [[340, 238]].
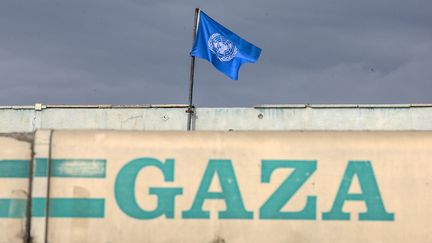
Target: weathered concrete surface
[[15, 155], [386, 176], [173, 117], [93, 178]]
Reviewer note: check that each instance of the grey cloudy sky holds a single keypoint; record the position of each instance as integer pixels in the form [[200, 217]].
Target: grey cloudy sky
[[137, 52]]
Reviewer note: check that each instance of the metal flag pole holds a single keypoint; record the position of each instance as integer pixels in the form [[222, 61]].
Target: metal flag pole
[[190, 109]]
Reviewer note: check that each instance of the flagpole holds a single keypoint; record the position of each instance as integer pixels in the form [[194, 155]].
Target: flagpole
[[190, 109]]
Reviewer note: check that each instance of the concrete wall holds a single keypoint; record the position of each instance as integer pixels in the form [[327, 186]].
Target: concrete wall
[[173, 117], [21, 154], [103, 186], [15, 156]]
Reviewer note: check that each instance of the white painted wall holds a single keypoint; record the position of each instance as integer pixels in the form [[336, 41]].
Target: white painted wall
[[173, 117]]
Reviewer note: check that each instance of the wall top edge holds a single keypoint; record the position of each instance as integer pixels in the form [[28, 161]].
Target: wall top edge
[[39, 106]]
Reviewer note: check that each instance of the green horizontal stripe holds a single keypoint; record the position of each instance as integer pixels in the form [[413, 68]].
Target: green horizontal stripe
[[14, 168], [69, 207], [78, 168], [41, 167], [12, 208], [59, 208]]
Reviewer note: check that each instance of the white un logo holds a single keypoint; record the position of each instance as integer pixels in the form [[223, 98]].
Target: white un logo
[[223, 48]]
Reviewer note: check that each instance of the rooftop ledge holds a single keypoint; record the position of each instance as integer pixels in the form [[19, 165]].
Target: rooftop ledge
[[39, 106]]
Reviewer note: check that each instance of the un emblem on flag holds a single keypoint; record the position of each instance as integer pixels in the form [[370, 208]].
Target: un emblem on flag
[[223, 48]]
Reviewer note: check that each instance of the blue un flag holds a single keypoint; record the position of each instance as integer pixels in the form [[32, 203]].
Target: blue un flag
[[223, 48]]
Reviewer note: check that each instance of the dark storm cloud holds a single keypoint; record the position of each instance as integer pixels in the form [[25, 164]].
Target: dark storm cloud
[[118, 52]]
